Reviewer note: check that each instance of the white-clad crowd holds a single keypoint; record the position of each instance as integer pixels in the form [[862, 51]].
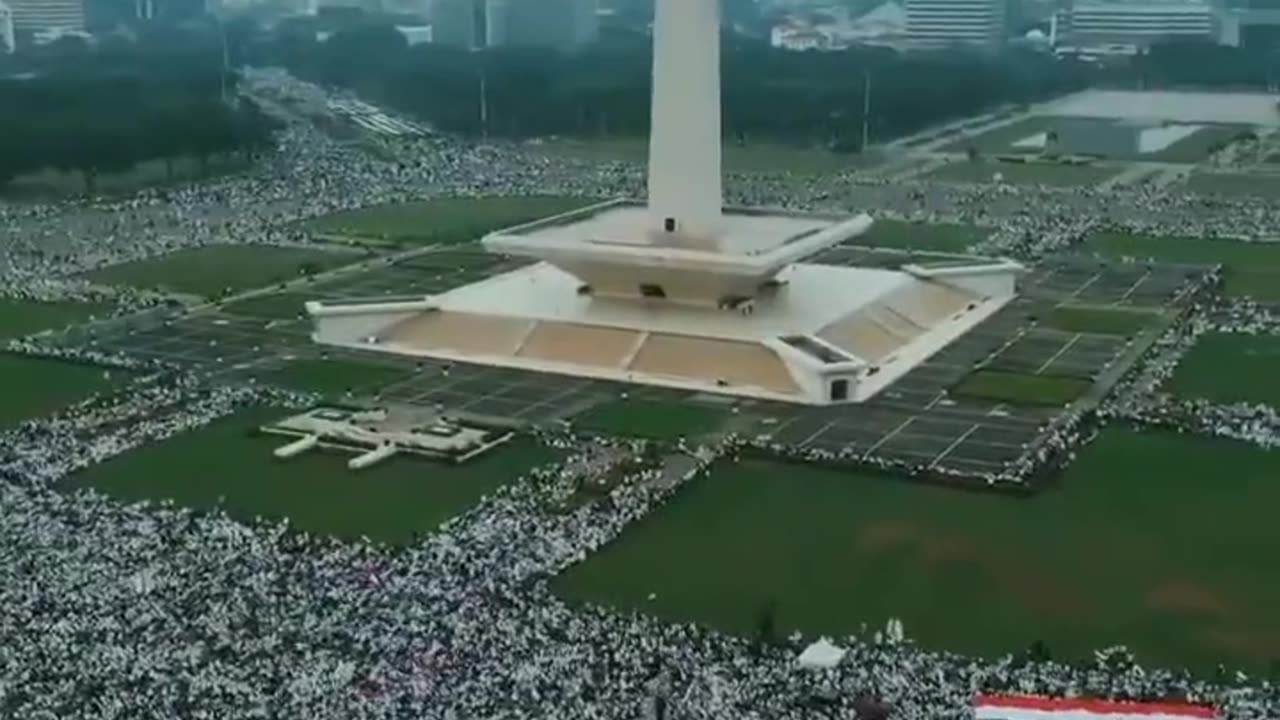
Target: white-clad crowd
[[1143, 399], [150, 610]]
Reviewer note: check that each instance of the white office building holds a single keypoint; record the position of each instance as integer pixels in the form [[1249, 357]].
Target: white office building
[[943, 23], [1137, 25], [7, 42], [48, 17]]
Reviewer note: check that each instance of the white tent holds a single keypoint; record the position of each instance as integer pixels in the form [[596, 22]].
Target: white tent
[[821, 654]]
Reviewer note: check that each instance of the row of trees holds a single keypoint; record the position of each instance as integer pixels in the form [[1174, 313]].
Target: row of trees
[[1203, 64], [117, 108], [810, 97]]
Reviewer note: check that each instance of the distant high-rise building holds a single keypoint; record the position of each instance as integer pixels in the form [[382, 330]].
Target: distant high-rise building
[[1249, 23], [460, 23], [496, 15], [1130, 26], [1096, 23], [563, 24], [941, 23], [7, 43], [45, 16]]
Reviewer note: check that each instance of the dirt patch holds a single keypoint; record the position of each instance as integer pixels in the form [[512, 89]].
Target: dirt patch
[[1040, 591], [942, 549], [1237, 642], [933, 549], [1186, 597], [881, 536]]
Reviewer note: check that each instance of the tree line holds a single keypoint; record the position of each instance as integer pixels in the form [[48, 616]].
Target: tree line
[[1186, 63], [768, 94], [113, 108]]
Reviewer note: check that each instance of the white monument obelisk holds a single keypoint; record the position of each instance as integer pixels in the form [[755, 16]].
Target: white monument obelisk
[[685, 194]]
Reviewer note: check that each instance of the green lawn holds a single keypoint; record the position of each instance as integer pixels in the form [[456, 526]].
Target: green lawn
[[19, 318], [209, 271], [1234, 184], [392, 502], [1102, 321], [1162, 542], [444, 220], [1229, 368], [652, 419], [1000, 140], [1052, 174], [1191, 149], [275, 306], [752, 158], [152, 173], [334, 377], [33, 387], [1198, 145], [941, 237], [1021, 389], [1251, 268]]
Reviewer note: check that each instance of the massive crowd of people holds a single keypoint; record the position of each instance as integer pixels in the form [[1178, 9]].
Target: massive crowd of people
[[1143, 399], [152, 610], [157, 611]]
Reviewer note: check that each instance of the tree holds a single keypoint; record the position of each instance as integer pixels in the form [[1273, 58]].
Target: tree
[[605, 89], [119, 105], [110, 147], [211, 132], [1039, 652], [766, 626]]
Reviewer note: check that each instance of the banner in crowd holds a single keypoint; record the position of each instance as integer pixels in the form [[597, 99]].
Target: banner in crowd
[[1028, 707]]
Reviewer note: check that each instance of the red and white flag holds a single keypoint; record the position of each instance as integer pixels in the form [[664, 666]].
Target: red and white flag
[[1028, 707]]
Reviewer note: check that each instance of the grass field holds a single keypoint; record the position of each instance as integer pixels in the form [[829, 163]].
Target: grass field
[[1191, 149], [942, 237], [753, 158], [1101, 321], [153, 173], [1000, 140], [444, 220], [1162, 542], [1252, 269], [214, 269], [1051, 174], [1197, 146], [392, 502], [1234, 184], [274, 306], [1230, 367], [333, 377], [34, 387], [651, 419], [1021, 389], [19, 318]]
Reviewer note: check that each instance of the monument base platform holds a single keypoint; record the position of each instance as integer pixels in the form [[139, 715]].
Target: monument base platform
[[820, 335]]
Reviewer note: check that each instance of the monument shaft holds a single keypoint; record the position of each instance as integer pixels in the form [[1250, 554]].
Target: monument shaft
[[685, 194]]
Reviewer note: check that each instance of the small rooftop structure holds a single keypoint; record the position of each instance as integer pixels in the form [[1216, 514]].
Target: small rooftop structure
[[821, 655], [379, 433], [682, 291]]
